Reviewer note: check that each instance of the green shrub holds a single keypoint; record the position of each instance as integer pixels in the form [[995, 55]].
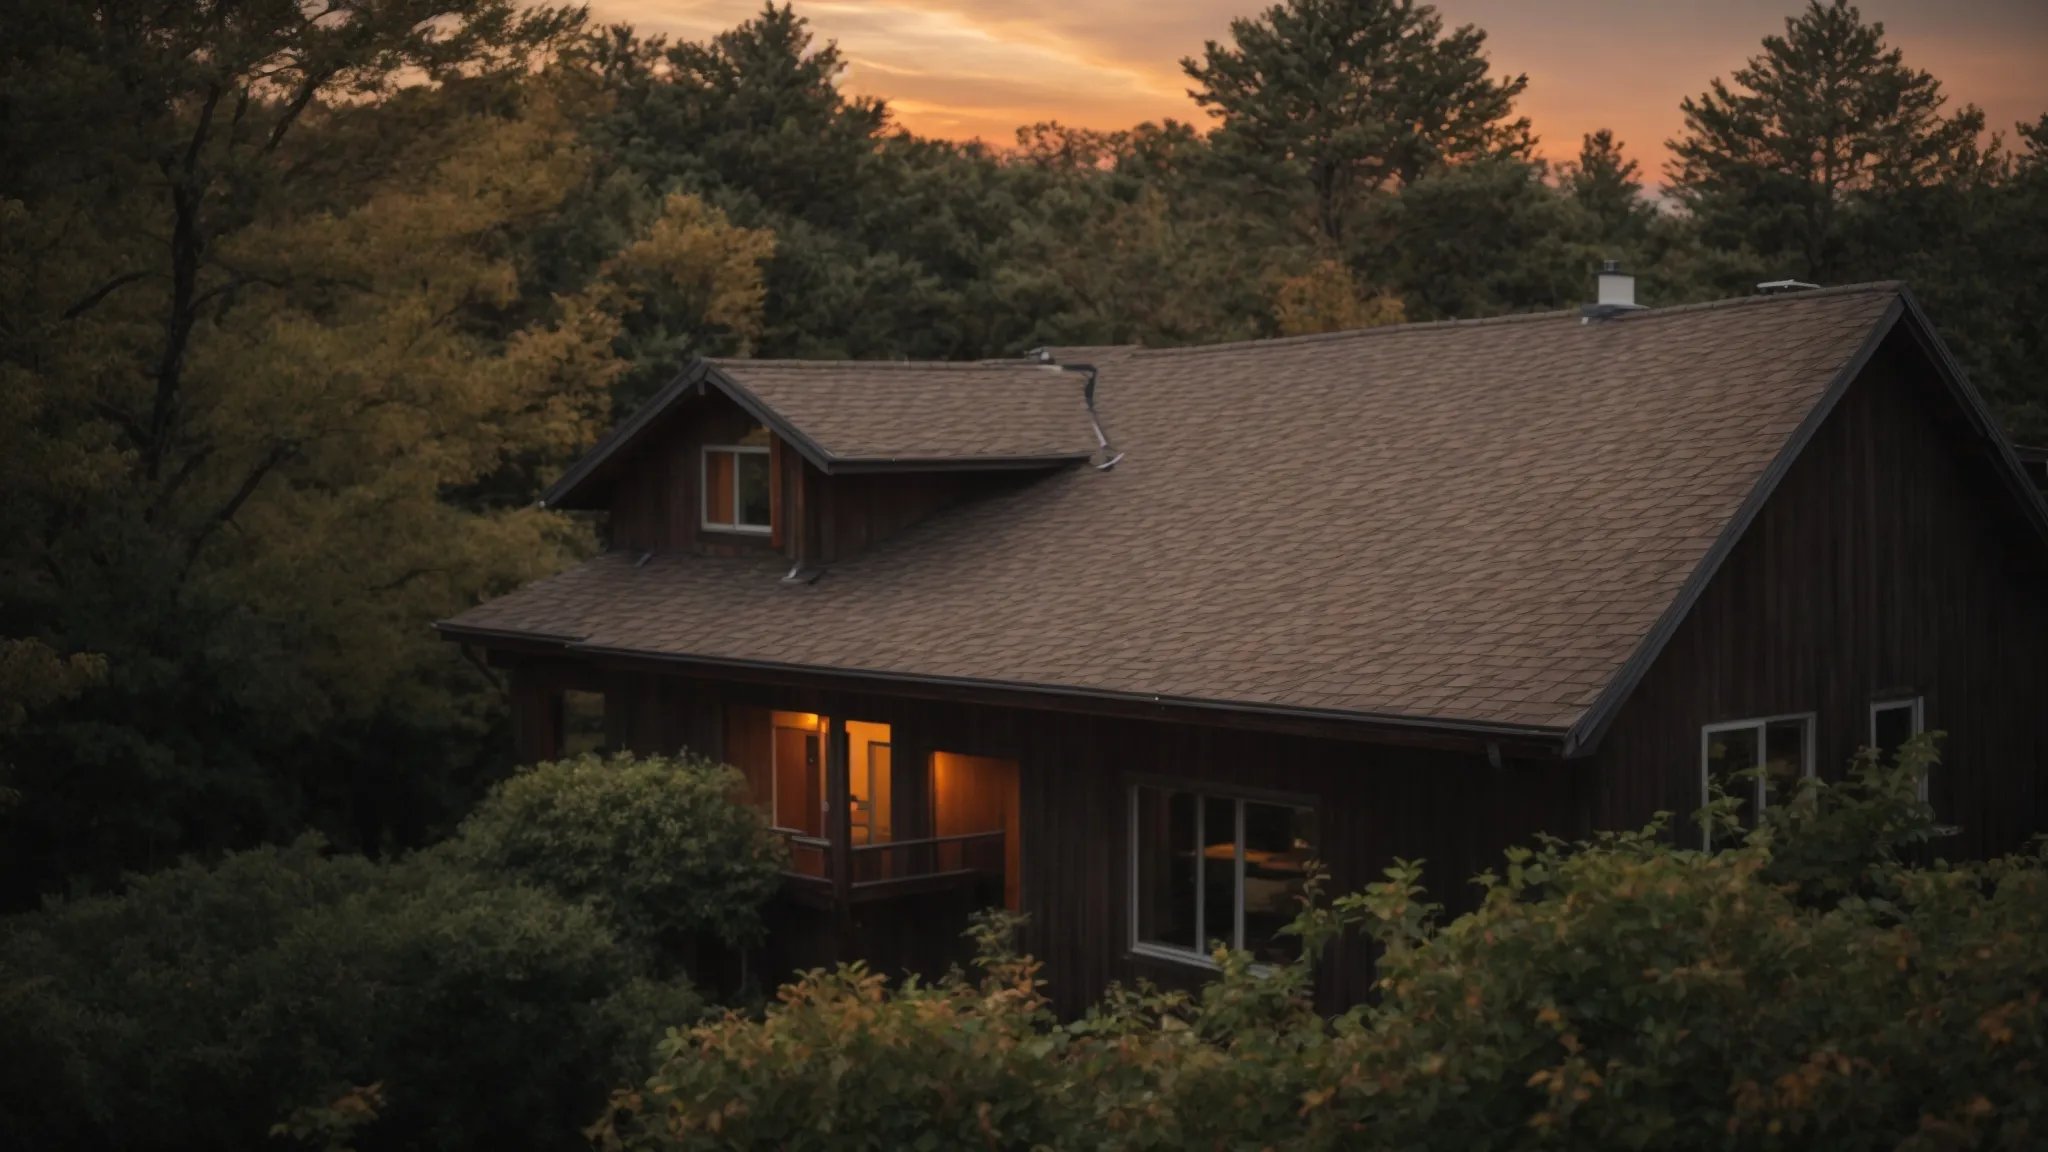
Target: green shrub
[[1804, 989], [205, 1003], [660, 845]]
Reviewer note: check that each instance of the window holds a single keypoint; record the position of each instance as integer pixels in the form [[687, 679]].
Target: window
[[1207, 868], [1892, 723], [736, 489], [1780, 745], [582, 723]]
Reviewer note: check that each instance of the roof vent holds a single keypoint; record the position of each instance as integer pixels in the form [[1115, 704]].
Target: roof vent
[[1775, 287], [1617, 294]]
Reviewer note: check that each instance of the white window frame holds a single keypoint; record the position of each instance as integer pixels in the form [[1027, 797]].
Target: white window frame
[[1919, 706], [1761, 800], [704, 491], [1199, 954]]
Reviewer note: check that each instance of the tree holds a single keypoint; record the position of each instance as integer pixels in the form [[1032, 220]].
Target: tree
[[1350, 97], [1827, 113], [284, 397], [1603, 182], [1486, 238]]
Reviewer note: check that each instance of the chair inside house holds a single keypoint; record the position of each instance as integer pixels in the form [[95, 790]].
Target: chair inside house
[[921, 823]]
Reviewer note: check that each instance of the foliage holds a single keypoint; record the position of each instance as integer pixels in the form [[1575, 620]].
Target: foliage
[[1827, 113], [33, 676], [1807, 988], [280, 394], [659, 845], [1353, 96], [204, 1004], [1326, 298]]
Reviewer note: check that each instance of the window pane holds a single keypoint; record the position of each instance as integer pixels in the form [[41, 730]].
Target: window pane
[[1278, 843], [582, 723], [1784, 758], [1166, 868], [1890, 727], [1730, 751], [753, 487], [1219, 872], [717, 487]]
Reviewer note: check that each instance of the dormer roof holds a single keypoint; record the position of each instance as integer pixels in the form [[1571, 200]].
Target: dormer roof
[[876, 416]]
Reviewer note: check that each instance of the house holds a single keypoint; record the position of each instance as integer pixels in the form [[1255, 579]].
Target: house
[[1123, 637]]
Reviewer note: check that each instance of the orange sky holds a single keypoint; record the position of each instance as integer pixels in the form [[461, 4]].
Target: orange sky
[[966, 68]]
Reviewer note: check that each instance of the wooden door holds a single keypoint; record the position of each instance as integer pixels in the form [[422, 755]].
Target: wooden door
[[799, 782]]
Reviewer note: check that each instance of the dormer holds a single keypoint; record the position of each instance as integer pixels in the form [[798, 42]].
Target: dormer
[[821, 460]]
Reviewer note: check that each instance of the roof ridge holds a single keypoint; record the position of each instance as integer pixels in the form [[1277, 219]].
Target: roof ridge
[[1524, 318], [893, 365]]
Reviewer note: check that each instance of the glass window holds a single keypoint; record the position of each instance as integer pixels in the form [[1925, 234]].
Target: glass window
[[737, 489], [1215, 868], [1781, 746], [582, 723], [1892, 723], [753, 510], [1278, 842], [1166, 877]]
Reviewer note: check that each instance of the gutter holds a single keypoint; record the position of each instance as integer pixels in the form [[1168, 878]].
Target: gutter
[[1526, 739]]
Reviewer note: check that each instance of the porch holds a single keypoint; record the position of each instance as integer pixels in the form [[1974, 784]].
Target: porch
[[867, 820]]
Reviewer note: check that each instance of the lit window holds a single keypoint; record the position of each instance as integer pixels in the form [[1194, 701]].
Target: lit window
[[736, 489], [1210, 868], [1780, 745], [1892, 723]]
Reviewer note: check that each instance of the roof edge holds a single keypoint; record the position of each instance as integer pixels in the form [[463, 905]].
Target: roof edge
[[621, 435], [1594, 722], [2006, 456], [1530, 737]]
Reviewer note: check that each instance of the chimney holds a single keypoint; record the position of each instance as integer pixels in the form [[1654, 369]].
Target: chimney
[[1617, 294], [1616, 287]]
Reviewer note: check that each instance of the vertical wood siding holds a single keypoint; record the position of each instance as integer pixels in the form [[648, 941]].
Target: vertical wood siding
[[656, 502], [1888, 561], [1374, 803]]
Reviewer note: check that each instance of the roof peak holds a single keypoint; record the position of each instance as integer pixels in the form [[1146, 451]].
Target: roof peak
[[1635, 317]]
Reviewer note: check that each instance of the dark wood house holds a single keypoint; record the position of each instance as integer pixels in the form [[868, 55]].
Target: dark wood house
[[1123, 637]]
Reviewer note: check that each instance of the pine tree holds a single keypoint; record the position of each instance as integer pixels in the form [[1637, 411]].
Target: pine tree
[[1344, 98], [1826, 113]]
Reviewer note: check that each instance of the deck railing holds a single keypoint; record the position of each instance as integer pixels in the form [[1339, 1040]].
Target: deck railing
[[888, 868]]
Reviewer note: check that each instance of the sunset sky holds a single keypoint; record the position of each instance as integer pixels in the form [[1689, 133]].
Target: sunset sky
[[967, 68]]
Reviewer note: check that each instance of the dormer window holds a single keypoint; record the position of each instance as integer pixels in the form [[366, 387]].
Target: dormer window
[[738, 493]]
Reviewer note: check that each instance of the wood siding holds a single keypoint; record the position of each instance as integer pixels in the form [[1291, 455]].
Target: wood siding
[[1374, 803], [656, 502], [657, 499], [1888, 562]]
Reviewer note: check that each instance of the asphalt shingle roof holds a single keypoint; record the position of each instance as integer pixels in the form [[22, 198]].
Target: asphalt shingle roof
[[1475, 521], [881, 410]]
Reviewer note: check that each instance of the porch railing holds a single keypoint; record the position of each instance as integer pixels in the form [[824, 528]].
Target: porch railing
[[889, 868]]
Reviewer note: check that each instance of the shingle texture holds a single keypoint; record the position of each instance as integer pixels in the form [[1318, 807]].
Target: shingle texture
[[865, 410], [1471, 522]]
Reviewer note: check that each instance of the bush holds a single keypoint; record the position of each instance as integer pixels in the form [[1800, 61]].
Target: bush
[[490, 989], [661, 846], [1806, 989], [206, 1003]]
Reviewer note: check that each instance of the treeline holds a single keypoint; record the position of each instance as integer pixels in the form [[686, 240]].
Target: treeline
[[301, 304]]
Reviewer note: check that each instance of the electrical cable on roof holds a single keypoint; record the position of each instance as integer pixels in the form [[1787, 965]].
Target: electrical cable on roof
[[1088, 395]]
